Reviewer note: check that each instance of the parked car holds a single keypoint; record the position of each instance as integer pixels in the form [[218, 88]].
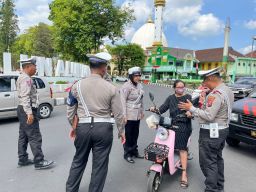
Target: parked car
[[243, 87], [121, 79], [242, 127], [9, 96]]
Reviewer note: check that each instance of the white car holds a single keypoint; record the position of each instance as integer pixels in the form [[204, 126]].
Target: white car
[[9, 96], [121, 79]]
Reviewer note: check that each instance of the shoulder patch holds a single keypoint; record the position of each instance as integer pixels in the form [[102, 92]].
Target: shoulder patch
[[29, 82], [210, 100]]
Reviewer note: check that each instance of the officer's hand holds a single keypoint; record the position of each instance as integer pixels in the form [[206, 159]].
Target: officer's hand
[[154, 109], [189, 114], [123, 139], [142, 116], [185, 106], [125, 120], [72, 134], [30, 119]]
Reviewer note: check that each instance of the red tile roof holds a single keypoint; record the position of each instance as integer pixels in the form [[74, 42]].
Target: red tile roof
[[216, 55], [251, 54]]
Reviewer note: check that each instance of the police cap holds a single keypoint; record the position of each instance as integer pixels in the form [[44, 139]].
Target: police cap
[[99, 59], [31, 60], [207, 73]]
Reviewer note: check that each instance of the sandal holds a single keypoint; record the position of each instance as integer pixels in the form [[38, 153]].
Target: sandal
[[184, 184]]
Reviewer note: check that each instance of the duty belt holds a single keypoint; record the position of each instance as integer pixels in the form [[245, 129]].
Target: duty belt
[[207, 126], [134, 106], [96, 120]]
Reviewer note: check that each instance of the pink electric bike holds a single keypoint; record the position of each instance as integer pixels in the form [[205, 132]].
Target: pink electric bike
[[162, 152]]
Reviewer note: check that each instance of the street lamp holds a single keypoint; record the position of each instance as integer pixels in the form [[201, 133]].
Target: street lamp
[[253, 38]]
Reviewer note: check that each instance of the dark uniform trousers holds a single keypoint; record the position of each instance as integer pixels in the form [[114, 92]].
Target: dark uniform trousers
[[210, 159], [131, 134], [97, 137], [29, 134]]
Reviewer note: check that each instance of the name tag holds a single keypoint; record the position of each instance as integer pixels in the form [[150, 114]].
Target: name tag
[[214, 130]]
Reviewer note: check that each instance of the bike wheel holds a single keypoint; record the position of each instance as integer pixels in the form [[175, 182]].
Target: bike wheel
[[154, 181]]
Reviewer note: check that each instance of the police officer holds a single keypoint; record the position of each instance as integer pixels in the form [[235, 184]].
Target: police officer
[[132, 102], [214, 119], [92, 100], [29, 122]]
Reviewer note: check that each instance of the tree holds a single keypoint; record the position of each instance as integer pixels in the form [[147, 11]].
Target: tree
[[80, 26], [8, 25], [127, 56], [37, 40]]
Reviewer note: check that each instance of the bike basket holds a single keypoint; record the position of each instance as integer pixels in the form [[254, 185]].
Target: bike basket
[[156, 152]]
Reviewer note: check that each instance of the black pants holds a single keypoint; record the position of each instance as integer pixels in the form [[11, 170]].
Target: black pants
[[29, 134], [97, 137], [131, 134], [211, 161]]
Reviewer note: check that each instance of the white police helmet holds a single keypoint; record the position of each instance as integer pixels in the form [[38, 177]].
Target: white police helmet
[[31, 60], [134, 71]]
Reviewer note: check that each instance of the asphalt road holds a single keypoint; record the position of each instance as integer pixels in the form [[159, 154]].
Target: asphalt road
[[240, 166]]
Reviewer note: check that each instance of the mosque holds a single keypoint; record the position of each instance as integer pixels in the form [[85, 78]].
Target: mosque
[[165, 63]]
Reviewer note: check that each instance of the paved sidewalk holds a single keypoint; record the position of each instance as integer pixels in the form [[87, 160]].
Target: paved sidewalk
[[60, 95]]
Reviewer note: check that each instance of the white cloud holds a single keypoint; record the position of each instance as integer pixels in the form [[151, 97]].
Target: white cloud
[[128, 33], [204, 25], [26, 5], [30, 13], [186, 14], [251, 24], [142, 9], [247, 49]]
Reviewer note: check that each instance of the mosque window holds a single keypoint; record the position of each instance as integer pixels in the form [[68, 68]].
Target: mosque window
[[179, 64], [249, 64], [244, 64], [239, 64], [254, 65]]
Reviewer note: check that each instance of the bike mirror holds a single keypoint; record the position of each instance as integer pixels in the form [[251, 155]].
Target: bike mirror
[[151, 96]]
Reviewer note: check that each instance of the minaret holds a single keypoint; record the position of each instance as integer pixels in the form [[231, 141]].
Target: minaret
[[159, 7], [226, 43]]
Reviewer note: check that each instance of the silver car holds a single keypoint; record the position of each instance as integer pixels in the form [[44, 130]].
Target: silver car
[[9, 96]]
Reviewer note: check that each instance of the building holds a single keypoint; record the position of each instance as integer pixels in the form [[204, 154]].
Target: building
[[165, 63], [212, 58]]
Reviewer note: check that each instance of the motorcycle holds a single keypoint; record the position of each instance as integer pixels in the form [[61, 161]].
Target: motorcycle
[[161, 152]]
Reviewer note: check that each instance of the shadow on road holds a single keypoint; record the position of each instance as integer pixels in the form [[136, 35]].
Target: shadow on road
[[244, 149], [7, 121]]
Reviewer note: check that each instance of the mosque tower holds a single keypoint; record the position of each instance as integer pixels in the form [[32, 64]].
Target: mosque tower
[[226, 42], [159, 8]]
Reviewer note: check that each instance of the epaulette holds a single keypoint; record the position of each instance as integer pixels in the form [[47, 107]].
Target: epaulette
[[216, 92]]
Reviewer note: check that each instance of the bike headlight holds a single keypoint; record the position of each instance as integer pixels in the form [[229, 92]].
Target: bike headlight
[[162, 134], [234, 117]]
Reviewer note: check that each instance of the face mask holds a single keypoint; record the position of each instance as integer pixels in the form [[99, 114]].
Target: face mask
[[180, 91]]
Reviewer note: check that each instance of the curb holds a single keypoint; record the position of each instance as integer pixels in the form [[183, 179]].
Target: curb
[[60, 101], [190, 91]]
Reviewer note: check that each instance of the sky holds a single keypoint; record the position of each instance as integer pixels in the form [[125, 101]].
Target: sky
[[188, 24]]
